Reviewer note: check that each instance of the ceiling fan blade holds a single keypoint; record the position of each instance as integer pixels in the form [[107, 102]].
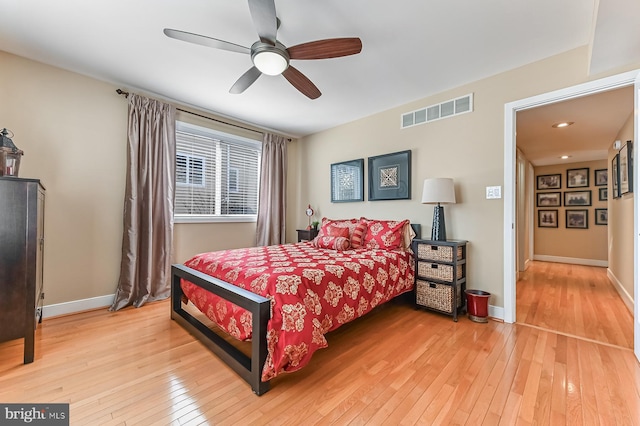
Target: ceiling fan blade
[[301, 82], [263, 13], [246, 80], [325, 49], [205, 41]]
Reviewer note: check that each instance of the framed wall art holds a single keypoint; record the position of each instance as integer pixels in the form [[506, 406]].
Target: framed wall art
[[577, 198], [578, 178], [578, 219], [615, 176], [600, 177], [625, 168], [547, 218], [602, 194], [549, 181], [390, 176], [347, 181], [602, 217], [548, 199]]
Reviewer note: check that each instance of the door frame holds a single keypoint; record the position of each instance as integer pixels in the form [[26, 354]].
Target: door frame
[[510, 109]]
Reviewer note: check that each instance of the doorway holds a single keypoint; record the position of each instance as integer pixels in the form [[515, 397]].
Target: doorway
[[510, 247]]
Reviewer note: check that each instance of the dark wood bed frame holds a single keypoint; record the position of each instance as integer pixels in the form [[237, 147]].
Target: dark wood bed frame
[[249, 368]]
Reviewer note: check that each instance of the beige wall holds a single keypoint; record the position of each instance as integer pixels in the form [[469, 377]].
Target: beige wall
[[72, 130], [468, 148], [584, 244], [621, 257]]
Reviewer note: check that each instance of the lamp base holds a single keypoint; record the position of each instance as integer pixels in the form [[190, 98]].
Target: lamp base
[[438, 231]]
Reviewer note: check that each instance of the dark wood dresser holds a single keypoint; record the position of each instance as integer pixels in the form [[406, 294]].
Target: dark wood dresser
[[21, 256]]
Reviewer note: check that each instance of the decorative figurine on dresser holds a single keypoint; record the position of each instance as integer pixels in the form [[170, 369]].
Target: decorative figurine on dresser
[[21, 256], [441, 275]]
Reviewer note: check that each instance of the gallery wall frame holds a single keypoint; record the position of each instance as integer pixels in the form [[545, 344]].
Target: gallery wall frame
[[553, 181], [625, 167], [547, 218], [615, 176], [602, 217], [577, 198], [577, 219], [548, 199], [578, 178], [600, 177], [603, 194], [347, 181], [390, 176]]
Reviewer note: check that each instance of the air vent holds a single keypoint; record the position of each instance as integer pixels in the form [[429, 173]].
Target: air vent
[[439, 111]]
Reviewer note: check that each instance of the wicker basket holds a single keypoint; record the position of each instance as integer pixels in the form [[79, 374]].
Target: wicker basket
[[437, 296], [437, 271], [438, 253]]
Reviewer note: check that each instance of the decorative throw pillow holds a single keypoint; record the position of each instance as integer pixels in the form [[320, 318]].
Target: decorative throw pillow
[[384, 234], [333, 243], [337, 231], [357, 239], [327, 229]]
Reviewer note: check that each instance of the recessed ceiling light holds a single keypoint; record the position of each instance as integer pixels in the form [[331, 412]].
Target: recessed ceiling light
[[563, 124], [564, 157]]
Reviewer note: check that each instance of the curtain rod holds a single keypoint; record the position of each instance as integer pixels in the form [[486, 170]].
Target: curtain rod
[[126, 95]]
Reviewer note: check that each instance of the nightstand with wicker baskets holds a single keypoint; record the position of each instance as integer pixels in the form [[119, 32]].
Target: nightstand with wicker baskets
[[441, 275]]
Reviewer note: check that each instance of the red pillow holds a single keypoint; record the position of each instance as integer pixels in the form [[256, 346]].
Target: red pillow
[[337, 231], [333, 243], [328, 225], [357, 239], [384, 234]]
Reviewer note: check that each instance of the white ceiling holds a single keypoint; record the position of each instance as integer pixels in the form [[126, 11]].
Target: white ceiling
[[411, 49]]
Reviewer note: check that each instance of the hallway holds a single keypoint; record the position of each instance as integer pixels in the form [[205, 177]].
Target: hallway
[[574, 300]]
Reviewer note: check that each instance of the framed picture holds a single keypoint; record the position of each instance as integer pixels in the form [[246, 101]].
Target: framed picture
[[600, 177], [578, 178], [577, 198], [548, 199], [603, 194], [602, 217], [347, 181], [578, 219], [615, 176], [390, 176], [547, 218], [626, 169], [549, 181]]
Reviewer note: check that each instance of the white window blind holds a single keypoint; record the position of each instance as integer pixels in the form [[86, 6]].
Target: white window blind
[[217, 174]]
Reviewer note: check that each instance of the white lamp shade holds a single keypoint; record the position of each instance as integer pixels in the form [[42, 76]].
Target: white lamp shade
[[438, 190]]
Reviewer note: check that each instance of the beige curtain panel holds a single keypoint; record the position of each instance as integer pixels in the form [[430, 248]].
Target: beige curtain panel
[[270, 228], [148, 205]]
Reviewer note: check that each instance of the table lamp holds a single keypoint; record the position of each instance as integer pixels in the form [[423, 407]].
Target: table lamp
[[438, 191]]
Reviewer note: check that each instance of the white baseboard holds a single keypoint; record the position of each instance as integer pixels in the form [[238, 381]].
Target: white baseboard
[[624, 295], [572, 260], [75, 306], [496, 312]]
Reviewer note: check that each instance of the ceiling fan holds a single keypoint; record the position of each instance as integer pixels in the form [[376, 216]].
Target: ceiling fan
[[271, 57]]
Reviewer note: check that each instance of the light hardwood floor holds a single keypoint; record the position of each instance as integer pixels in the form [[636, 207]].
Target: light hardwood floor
[[397, 365]]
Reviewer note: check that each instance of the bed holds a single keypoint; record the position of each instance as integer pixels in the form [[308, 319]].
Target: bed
[[285, 298]]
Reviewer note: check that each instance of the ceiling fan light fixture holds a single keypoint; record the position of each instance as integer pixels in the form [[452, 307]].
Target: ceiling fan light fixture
[[270, 63]]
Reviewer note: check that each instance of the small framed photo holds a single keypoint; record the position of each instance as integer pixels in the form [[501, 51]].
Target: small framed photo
[[577, 198], [549, 181], [347, 181], [578, 178], [602, 217], [615, 176], [603, 194], [600, 177], [547, 218], [578, 219], [626, 168], [548, 199]]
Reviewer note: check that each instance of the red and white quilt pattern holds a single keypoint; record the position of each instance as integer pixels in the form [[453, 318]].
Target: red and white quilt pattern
[[312, 291]]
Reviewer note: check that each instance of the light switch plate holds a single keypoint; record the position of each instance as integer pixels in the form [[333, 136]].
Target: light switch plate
[[494, 192]]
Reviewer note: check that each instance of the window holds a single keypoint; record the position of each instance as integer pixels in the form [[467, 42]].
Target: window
[[217, 175]]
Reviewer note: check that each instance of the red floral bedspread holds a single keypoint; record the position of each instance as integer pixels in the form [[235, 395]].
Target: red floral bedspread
[[312, 292]]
